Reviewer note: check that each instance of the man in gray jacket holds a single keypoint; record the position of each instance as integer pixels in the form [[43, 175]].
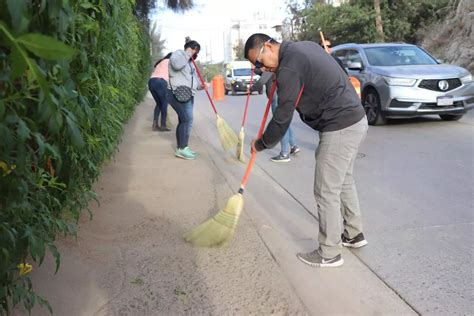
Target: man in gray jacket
[[329, 104]]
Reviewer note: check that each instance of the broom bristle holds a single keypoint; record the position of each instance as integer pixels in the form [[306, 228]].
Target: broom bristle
[[226, 134], [240, 146], [219, 229]]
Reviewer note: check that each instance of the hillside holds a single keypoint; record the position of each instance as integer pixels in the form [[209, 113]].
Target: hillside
[[452, 39]]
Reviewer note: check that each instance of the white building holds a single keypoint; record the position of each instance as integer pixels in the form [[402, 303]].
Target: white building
[[259, 22]]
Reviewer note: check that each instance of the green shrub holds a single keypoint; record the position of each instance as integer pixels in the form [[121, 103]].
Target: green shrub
[[354, 21], [71, 73]]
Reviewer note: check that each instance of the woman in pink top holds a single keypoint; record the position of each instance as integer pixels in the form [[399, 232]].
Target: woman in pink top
[[158, 85]]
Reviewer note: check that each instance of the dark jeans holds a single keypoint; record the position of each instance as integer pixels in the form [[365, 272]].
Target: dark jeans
[[185, 119], [288, 139], [158, 87]]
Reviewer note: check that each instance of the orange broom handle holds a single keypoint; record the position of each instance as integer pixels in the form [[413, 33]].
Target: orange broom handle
[[248, 97], [204, 85], [260, 133], [324, 42]]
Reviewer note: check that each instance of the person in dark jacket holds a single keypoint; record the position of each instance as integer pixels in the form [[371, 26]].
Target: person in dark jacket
[[287, 143], [339, 62], [329, 104]]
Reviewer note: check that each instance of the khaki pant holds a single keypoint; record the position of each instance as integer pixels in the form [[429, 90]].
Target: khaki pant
[[334, 186]]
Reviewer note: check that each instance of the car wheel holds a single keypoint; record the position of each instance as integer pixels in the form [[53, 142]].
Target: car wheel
[[226, 91], [260, 91], [233, 91], [373, 110], [450, 117]]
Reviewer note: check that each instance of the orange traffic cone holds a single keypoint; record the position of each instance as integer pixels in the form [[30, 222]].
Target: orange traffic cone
[[218, 88], [356, 84]]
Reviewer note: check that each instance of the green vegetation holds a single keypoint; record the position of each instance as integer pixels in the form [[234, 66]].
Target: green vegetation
[[239, 50], [354, 21], [211, 70], [71, 73]]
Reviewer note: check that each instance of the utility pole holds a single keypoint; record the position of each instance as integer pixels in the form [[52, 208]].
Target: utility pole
[[207, 54], [237, 27]]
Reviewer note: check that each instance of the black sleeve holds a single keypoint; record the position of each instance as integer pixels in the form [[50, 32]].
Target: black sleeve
[[288, 88], [258, 85], [340, 63]]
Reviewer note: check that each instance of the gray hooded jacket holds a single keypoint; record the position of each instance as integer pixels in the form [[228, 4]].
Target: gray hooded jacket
[[182, 71]]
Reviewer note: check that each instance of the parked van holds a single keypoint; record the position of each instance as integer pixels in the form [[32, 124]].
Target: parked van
[[237, 77]]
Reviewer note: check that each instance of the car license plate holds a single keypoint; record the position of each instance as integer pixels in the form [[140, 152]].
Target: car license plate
[[444, 101]]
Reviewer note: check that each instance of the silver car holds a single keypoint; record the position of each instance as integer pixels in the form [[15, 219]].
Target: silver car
[[403, 80]]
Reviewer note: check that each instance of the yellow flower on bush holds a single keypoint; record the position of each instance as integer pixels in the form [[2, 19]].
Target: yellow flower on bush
[[5, 168], [24, 268]]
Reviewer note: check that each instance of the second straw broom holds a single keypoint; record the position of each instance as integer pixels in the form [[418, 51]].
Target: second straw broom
[[227, 136], [240, 144]]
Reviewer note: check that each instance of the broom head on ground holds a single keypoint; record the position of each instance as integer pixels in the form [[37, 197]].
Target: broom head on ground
[[240, 146], [219, 229], [168, 122], [226, 134]]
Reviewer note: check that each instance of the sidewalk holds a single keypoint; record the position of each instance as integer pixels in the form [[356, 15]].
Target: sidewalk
[[131, 258]]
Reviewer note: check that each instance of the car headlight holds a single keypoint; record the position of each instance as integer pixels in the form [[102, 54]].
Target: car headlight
[[406, 82], [466, 79]]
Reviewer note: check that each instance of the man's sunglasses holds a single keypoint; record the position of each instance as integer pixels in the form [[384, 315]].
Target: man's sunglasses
[[258, 64]]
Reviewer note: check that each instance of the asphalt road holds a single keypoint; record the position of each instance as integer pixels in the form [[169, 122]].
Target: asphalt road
[[416, 188]]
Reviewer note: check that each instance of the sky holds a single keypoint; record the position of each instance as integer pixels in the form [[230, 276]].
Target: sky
[[208, 20]]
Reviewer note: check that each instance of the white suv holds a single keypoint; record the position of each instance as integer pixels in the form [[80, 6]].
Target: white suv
[[237, 77]]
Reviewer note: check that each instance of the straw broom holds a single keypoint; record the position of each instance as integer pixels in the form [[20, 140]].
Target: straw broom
[[219, 229], [168, 122], [226, 134], [240, 144]]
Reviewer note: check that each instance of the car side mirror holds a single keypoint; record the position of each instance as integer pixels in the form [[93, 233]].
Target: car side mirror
[[440, 61], [354, 65], [229, 76]]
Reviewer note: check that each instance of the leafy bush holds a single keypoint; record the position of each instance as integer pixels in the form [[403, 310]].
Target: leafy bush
[[354, 21], [344, 24], [71, 73]]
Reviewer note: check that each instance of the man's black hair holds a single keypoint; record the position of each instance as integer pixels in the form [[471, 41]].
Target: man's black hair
[[256, 40], [192, 44], [168, 56]]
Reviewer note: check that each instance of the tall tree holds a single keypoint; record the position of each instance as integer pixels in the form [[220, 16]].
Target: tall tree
[[378, 21], [353, 21], [157, 44], [239, 50]]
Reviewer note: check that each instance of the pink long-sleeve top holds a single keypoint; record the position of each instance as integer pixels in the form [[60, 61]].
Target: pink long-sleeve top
[[161, 70]]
